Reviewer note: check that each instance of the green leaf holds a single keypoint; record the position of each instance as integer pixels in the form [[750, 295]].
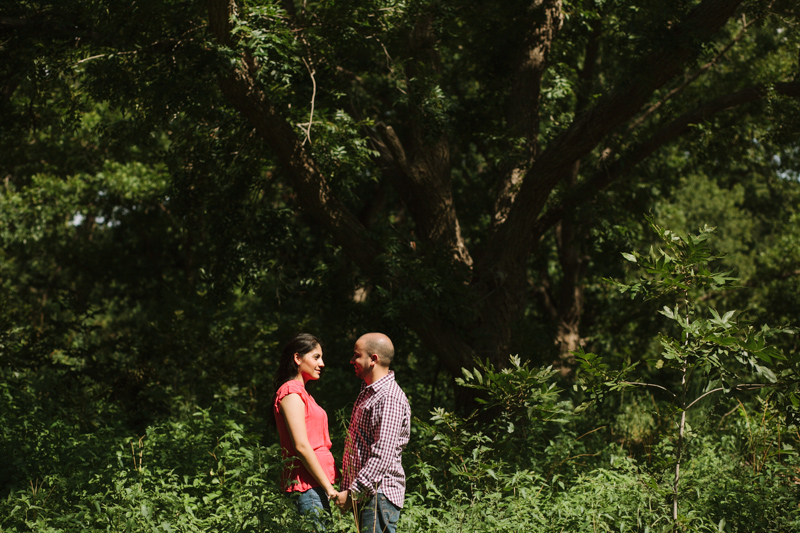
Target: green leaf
[[767, 373]]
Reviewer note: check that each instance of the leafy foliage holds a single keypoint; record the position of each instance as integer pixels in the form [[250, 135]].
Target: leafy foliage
[[206, 469], [156, 248], [705, 351]]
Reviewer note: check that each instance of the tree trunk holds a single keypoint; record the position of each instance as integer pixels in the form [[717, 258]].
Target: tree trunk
[[495, 284], [570, 302]]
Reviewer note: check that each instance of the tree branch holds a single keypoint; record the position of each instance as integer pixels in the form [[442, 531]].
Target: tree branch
[[309, 183], [650, 385], [693, 77], [668, 133], [543, 290], [513, 241], [523, 107], [744, 386], [423, 166], [307, 129]]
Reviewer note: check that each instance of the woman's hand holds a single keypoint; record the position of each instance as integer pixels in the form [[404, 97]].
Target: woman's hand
[[342, 500]]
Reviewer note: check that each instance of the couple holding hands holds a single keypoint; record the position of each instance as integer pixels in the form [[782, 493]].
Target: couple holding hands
[[373, 481]]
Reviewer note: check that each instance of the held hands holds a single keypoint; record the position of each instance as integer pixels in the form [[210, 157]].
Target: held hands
[[342, 500]]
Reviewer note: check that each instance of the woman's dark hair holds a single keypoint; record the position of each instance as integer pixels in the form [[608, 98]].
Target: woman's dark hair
[[302, 343]]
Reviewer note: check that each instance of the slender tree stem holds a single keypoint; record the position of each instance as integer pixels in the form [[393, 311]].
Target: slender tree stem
[[682, 426], [678, 452]]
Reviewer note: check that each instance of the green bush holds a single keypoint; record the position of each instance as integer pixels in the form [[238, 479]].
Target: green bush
[[531, 458], [203, 472], [210, 470], [473, 474]]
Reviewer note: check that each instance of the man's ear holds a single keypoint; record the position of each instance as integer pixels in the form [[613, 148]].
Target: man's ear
[[374, 358]]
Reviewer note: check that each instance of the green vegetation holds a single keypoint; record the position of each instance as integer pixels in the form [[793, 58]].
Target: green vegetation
[[529, 459], [185, 184], [712, 353]]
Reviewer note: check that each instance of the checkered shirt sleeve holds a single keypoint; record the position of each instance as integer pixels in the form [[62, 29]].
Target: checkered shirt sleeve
[[379, 431]]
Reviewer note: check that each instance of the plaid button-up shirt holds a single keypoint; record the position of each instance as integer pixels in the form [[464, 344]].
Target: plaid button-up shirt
[[379, 431]]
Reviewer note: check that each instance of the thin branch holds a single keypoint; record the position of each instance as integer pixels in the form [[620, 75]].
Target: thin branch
[[148, 48], [307, 131], [744, 386], [98, 56], [650, 385], [389, 60], [590, 432], [693, 77]]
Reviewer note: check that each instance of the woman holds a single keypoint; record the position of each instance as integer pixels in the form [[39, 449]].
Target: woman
[[303, 428]]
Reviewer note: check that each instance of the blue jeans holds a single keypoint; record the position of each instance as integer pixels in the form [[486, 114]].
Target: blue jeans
[[314, 504], [379, 515]]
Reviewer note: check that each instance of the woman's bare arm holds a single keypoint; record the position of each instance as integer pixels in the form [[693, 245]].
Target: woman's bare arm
[[293, 410]]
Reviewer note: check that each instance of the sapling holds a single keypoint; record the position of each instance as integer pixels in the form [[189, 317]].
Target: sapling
[[720, 351]]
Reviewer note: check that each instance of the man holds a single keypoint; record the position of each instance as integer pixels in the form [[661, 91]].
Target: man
[[373, 479]]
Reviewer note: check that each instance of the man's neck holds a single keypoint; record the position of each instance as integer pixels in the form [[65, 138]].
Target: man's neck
[[378, 373]]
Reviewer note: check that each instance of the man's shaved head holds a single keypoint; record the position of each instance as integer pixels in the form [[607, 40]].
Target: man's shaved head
[[379, 344]]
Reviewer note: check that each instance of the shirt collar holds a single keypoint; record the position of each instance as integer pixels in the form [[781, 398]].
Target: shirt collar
[[381, 383]]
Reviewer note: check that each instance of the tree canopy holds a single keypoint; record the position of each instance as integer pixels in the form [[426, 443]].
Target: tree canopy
[[184, 185], [467, 172]]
